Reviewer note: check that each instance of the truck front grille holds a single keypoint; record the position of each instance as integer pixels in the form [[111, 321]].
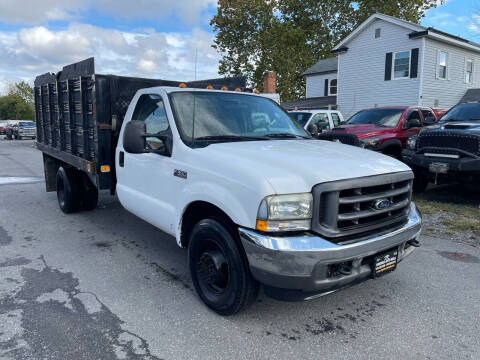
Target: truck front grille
[[355, 206], [449, 139]]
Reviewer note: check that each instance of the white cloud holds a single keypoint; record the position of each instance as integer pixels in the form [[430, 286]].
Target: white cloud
[[39, 11], [36, 50]]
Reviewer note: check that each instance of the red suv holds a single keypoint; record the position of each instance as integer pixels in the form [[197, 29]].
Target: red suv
[[387, 129]]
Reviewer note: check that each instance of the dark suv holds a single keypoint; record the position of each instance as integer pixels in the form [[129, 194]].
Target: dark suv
[[448, 151]]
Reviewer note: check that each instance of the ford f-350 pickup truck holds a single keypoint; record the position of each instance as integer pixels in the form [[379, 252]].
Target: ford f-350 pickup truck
[[249, 193]]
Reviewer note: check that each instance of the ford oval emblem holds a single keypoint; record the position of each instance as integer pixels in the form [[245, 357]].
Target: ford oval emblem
[[382, 204]]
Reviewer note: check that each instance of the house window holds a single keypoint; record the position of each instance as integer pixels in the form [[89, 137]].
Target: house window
[[377, 33], [401, 65], [469, 71], [333, 87], [442, 65]]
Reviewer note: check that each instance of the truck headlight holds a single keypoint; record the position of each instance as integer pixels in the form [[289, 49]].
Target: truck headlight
[[412, 142], [289, 212], [369, 142]]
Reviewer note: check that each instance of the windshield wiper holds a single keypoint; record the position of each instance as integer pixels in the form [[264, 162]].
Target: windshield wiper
[[285, 136], [228, 138]]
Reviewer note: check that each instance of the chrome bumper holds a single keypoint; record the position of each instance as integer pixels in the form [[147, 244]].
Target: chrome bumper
[[302, 263]]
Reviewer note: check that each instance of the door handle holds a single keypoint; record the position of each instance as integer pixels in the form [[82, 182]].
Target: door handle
[[121, 158]]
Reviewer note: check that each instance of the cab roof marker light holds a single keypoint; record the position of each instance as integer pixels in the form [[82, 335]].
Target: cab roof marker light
[[224, 88], [209, 87], [182, 85]]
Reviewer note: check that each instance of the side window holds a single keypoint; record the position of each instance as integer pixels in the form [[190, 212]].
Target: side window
[[442, 70], [336, 119], [333, 87], [151, 110], [413, 119], [427, 113], [321, 120]]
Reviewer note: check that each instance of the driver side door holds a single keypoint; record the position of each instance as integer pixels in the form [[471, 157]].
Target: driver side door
[[145, 181], [411, 125]]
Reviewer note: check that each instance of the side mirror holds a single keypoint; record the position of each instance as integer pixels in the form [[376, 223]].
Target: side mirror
[[429, 120], [414, 123], [313, 129], [135, 139]]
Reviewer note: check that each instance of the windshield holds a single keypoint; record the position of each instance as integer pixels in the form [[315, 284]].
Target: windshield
[[462, 112], [26, 123], [379, 117], [231, 117], [301, 117]]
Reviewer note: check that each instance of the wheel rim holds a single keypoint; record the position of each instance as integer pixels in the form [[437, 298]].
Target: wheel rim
[[213, 270]]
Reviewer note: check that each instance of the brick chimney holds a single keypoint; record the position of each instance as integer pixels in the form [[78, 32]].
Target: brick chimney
[[270, 82]]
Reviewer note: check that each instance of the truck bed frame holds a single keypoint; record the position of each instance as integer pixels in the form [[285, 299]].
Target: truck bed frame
[[79, 115]]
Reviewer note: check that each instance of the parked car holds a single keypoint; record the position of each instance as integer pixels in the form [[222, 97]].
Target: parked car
[[448, 151], [322, 119], [10, 129], [387, 129], [248, 194], [24, 129], [3, 127]]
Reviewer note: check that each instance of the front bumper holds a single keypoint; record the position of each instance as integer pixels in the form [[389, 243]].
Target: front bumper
[[421, 161], [298, 267]]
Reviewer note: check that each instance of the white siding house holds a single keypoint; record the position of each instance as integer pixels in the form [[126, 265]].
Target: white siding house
[[387, 61], [321, 78]]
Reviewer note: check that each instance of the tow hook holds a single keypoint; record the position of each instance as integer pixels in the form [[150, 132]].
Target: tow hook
[[344, 269], [414, 243]]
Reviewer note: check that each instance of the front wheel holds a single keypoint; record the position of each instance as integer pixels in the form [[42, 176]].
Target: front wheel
[[219, 270]]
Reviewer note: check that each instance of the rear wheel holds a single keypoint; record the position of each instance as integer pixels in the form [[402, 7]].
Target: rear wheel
[[68, 189], [219, 271]]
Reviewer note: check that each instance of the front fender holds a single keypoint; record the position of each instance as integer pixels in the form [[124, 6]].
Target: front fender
[[240, 206]]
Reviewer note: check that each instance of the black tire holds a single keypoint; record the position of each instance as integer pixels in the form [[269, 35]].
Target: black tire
[[19, 137], [89, 199], [69, 189], [420, 182], [219, 269], [393, 152]]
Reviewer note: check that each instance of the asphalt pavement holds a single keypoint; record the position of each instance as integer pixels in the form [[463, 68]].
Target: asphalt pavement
[[106, 285]]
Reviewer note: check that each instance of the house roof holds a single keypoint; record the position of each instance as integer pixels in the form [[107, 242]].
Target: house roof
[[323, 66], [314, 103], [417, 31]]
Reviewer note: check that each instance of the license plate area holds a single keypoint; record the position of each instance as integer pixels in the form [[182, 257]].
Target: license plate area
[[438, 167], [384, 263]]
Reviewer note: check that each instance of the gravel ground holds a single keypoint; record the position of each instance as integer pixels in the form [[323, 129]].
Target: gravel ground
[[106, 285]]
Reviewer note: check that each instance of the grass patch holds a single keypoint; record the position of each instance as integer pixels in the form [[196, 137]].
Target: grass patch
[[462, 204]]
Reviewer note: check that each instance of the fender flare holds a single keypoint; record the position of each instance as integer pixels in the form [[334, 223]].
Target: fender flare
[[394, 143]]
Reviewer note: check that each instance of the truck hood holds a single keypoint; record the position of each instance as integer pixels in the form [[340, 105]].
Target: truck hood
[[292, 166], [471, 127], [363, 130]]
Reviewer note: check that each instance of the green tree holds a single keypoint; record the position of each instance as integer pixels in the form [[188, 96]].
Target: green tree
[[288, 36], [24, 90], [13, 107]]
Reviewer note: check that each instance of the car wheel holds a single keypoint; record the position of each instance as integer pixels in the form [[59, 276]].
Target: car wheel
[[219, 270], [420, 182], [19, 137], [90, 194], [68, 190]]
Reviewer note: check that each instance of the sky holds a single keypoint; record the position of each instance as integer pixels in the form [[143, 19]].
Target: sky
[[148, 38]]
